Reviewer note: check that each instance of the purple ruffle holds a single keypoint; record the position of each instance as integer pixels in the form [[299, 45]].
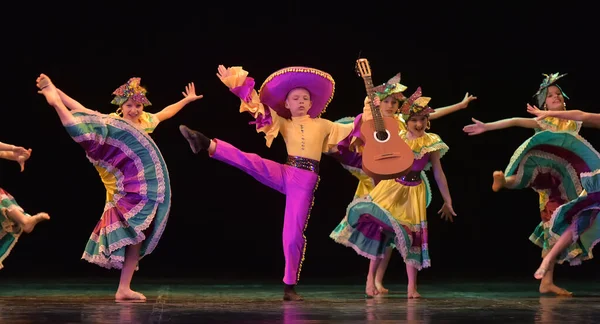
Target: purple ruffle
[[244, 91], [344, 145], [263, 120]]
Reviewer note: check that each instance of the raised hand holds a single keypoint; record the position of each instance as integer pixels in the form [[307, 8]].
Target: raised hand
[[540, 114], [190, 92], [376, 101], [223, 72], [465, 102], [474, 129]]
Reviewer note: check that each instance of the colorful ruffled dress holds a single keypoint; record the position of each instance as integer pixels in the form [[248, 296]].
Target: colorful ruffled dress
[[134, 173], [552, 163], [582, 212], [351, 160], [394, 212], [10, 231]]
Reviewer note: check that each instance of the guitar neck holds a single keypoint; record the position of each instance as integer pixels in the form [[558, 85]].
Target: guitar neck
[[377, 117]]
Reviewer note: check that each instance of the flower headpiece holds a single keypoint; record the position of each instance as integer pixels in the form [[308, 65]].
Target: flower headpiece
[[131, 90], [392, 87], [416, 105], [543, 91]]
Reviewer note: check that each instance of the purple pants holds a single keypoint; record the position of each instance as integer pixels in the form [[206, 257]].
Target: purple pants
[[297, 184]]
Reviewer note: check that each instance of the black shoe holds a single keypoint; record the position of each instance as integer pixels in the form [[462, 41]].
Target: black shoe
[[196, 139]]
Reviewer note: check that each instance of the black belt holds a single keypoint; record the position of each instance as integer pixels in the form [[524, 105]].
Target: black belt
[[303, 163]]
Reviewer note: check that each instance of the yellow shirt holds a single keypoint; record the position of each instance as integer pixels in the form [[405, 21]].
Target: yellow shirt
[[304, 136]]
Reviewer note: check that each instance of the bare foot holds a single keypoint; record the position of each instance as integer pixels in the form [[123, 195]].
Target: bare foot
[[129, 296], [412, 293], [33, 220], [370, 290], [499, 181], [289, 294], [381, 289], [552, 288], [48, 89]]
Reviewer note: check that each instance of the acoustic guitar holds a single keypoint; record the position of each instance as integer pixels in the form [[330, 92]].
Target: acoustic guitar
[[385, 155]]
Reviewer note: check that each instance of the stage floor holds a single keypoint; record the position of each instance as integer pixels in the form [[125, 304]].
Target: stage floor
[[91, 301]]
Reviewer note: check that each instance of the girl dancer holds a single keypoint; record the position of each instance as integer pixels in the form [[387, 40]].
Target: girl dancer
[[549, 162], [575, 223], [138, 193], [395, 210], [388, 97]]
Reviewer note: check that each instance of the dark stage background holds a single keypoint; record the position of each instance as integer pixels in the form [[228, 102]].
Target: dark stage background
[[222, 222]]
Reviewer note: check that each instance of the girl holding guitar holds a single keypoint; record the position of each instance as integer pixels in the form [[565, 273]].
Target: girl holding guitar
[[394, 211], [351, 158]]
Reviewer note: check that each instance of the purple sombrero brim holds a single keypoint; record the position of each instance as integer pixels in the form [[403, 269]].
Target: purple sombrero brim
[[276, 87]]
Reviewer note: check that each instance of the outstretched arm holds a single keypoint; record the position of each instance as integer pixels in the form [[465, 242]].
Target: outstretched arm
[[441, 112], [479, 127], [7, 147], [240, 84], [188, 96], [15, 153], [440, 178], [588, 119]]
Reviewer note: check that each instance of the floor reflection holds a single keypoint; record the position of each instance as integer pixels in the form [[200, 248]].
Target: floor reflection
[[261, 303]]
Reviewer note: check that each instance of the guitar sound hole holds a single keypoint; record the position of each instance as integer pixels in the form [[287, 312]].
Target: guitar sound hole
[[382, 136]]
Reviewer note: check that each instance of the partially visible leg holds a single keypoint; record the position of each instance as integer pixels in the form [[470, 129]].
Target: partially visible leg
[[381, 268], [53, 98], [27, 223], [411, 273], [547, 285], [563, 242], [124, 292], [197, 140], [371, 290], [500, 181], [546, 270], [267, 172], [300, 187]]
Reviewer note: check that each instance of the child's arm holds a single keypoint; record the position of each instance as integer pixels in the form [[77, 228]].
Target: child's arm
[[240, 84], [10, 150], [440, 178], [479, 127], [15, 153], [441, 112], [170, 111], [588, 119]]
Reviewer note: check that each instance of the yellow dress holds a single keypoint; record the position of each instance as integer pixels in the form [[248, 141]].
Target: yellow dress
[[395, 210]]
